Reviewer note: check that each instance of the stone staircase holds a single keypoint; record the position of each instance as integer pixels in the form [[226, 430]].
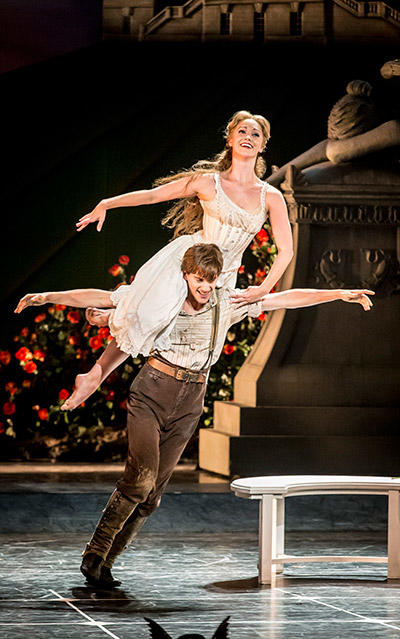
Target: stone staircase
[[371, 9], [169, 13]]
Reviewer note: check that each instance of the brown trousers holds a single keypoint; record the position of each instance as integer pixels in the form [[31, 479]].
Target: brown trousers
[[163, 413]]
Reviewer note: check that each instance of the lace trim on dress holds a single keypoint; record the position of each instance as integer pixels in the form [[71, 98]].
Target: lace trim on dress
[[261, 209]]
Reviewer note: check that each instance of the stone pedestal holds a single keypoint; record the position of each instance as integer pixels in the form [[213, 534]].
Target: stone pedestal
[[319, 392]]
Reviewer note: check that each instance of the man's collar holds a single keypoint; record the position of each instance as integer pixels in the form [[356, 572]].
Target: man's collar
[[211, 302]]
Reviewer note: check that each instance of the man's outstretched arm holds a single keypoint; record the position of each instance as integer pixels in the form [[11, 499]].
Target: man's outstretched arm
[[301, 297], [79, 297]]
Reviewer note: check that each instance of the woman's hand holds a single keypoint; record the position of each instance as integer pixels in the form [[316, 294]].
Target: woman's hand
[[97, 215], [358, 297], [247, 296], [32, 299]]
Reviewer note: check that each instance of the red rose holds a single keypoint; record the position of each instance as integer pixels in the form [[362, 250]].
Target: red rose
[[110, 395], [73, 340], [115, 270], [30, 367], [262, 317], [43, 414], [38, 354], [74, 317], [228, 349], [11, 388], [1, 428], [241, 269], [9, 408], [123, 259], [23, 354], [5, 357], [262, 236], [63, 394], [95, 342], [259, 275], [60, 307], [103, 332], [25, 331], [27, 383], [40, 318], [124, 404]]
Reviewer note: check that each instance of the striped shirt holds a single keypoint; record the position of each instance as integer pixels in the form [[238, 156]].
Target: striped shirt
[[190, 336]]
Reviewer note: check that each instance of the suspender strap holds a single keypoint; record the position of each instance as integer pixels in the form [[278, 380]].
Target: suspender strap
[[214, 331]]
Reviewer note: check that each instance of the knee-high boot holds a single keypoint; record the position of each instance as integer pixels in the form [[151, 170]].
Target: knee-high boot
[[120, 543], [118, 509]]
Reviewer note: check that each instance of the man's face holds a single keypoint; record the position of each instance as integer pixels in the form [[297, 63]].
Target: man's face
[[200, 289]]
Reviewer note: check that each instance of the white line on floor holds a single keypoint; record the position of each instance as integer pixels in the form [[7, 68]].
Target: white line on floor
[[95, 623], [348, 612]]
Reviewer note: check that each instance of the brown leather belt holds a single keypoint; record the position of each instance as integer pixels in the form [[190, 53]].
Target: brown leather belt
[[175, 371]]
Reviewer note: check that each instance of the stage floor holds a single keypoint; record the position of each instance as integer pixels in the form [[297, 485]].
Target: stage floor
[[189, 583]]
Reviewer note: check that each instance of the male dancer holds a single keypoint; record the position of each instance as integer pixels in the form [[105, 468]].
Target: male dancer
[[166, 397]]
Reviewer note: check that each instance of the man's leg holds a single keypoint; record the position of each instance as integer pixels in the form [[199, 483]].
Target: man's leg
[[174, 437], [137, 480]]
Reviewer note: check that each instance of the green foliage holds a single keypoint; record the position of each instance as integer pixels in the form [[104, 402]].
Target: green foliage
[[41, 364]]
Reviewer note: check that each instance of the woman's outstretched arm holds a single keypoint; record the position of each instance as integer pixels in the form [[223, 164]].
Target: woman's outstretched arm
[[302, 297], [184, 187], [79, 297]]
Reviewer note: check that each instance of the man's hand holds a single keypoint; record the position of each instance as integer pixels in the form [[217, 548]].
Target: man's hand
[[358, 297], [32, 299], [247, 296], [97, 215]]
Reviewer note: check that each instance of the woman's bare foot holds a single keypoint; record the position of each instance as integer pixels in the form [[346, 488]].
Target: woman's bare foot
[[85, 385], [98, 316]]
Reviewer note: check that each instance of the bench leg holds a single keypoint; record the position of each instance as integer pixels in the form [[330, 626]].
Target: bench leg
[[267, 538], [394, 535], [280, 530]]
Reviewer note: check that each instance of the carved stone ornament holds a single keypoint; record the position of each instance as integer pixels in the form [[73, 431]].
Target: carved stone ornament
[[390, 69], [330, 268], [373, 267], [293, 178], [364, 268], [348, 214]]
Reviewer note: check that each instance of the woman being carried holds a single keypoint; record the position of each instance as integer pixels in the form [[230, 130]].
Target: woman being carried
[[224, 202]]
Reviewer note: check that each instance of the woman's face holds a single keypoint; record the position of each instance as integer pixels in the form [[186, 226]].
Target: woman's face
[[247, 138]]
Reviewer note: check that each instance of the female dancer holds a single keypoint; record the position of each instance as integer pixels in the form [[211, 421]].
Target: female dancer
[[223, 201]]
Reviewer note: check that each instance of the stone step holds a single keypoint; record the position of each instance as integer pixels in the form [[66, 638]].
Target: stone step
[[298, 455], [236, 419]]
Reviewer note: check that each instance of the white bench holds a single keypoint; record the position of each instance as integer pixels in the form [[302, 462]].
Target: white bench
[[272, 491]]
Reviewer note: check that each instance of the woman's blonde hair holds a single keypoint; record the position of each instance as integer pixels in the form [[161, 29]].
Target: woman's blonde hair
[[186, 215]]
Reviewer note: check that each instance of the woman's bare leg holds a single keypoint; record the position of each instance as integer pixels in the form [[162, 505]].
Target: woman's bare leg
[[86, 384]]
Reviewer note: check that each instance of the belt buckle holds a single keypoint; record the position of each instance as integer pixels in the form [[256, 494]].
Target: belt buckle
[[183, 375]]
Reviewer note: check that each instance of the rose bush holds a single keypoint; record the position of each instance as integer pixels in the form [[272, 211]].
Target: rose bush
[[37, 373]]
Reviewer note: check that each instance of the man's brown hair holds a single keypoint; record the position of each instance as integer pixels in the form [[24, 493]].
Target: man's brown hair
[[204, 259]]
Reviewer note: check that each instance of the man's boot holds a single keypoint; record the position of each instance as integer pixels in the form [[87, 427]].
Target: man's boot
[[120, 543], [117, 511]]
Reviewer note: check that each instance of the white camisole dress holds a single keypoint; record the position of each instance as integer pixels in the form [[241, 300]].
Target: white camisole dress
[[145, 310]]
